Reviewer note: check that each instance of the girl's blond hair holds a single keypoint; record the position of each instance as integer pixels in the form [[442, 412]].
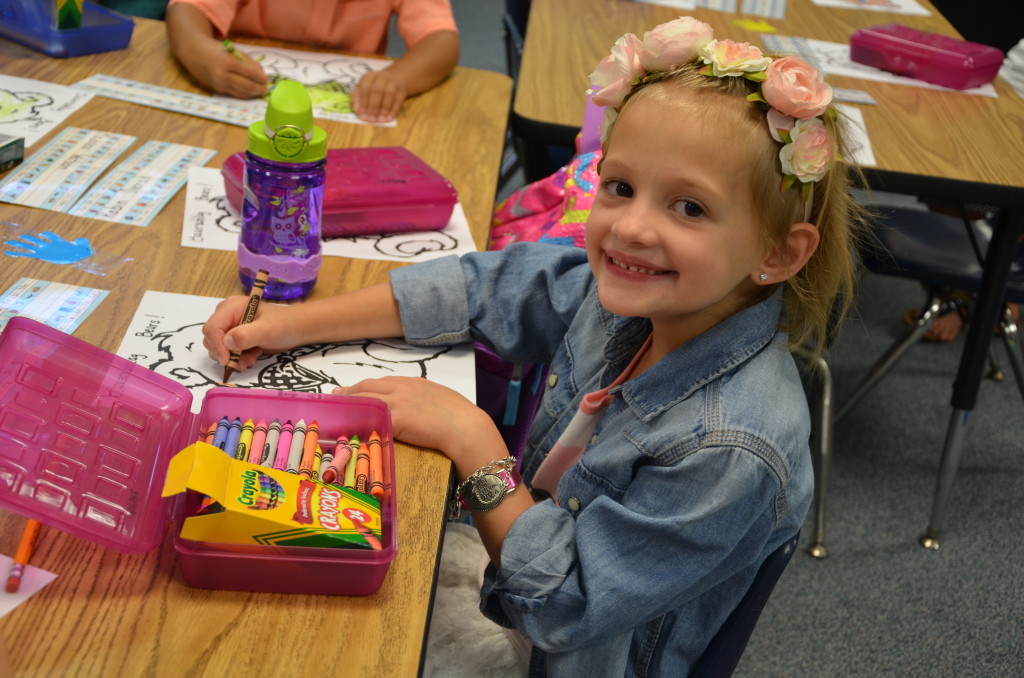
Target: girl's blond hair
[[819, 295]]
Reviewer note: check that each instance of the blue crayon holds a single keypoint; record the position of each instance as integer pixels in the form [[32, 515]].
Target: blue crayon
[[270, 447], [222, 433], [234, 433]]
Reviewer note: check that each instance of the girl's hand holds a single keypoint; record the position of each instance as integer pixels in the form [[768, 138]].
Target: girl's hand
[[270, 332], [427, 414]]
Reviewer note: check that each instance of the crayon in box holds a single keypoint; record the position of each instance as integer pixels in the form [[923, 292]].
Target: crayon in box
[[86, 438]]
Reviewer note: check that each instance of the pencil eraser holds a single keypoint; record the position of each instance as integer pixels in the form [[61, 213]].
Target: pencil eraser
[[12, 151]]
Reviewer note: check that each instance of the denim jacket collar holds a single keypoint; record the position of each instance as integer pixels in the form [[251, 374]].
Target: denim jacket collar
[[691, 366]]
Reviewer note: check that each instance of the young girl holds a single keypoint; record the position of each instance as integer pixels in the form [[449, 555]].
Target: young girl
[[670, 454]]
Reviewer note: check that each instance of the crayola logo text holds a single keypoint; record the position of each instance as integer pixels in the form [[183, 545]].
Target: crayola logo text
[[250, 488]]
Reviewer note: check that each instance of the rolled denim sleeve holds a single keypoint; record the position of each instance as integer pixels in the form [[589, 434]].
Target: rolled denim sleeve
[[519, 300], [570, 579]]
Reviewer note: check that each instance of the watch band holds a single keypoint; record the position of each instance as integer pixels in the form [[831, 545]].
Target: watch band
[[486, 487]]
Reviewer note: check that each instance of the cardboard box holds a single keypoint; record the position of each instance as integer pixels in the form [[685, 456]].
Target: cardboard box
[[86, 438]]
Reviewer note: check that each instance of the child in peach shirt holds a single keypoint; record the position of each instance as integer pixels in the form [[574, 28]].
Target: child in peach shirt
[[196, 29]]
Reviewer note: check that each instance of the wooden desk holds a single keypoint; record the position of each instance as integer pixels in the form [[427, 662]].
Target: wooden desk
[[109, 614], [927, 142]]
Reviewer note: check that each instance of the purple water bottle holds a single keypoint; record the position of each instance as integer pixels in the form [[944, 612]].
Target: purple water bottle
[[283, 188]]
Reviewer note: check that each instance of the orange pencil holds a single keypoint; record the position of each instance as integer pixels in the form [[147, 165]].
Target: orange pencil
[[309, 445], [28, 540], [376, 466]]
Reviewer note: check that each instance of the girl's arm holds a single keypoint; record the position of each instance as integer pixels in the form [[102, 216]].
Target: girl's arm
[[379, 94], [194, 43], [368, 313]]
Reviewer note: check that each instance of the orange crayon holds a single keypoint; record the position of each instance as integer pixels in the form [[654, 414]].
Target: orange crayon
[[309, 445], [362, 467], [376, 466], [210, 433]]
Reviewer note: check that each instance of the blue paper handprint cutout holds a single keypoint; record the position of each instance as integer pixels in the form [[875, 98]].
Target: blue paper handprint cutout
[[49, 247]]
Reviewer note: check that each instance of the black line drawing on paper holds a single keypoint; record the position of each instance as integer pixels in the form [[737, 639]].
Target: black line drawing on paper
[[22, 106], [179, 355]]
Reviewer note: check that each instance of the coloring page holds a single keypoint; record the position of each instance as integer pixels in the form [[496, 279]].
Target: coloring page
[[210, 222], [31, 108], [166, 337], [329, 78]]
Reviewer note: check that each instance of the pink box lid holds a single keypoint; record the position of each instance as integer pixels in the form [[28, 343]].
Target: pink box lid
[[86, 437]]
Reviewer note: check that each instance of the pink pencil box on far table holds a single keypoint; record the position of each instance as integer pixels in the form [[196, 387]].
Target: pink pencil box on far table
[[383, 189], [934, 58]]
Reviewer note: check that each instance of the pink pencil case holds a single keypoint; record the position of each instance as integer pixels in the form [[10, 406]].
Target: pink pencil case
[[86, 438], [934, 58], [383, 189]]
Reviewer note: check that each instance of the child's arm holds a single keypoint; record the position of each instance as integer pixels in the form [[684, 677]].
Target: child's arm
[[194, 44], [379, 94], [368, 313]]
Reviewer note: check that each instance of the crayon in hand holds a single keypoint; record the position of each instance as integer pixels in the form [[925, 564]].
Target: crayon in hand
[[259, 284]]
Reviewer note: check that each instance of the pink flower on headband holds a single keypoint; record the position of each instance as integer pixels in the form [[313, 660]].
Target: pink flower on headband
[[807, 157], [674, 43], [794, 87], [615, 75], [727, 58]]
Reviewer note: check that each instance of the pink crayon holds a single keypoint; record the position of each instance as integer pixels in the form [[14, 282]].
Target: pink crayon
[[259, 437], [336, 469], [284, 446]]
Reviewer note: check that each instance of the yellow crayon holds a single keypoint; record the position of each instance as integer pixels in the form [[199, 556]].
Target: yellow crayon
[[350, 467], [244, 440]]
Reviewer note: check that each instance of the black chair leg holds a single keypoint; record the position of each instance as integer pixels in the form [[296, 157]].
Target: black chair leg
[[929, 311], [820, 397]]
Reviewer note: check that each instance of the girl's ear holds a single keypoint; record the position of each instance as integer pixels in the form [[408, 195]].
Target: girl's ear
[[781, 264]]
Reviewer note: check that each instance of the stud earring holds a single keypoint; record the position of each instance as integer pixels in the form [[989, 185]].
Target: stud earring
[[764, 277]]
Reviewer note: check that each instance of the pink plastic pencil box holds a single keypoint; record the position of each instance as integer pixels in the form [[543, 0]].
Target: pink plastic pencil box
[[86, 437], [384, 189], [934, 58]]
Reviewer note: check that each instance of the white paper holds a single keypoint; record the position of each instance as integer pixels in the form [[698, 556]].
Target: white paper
[[210, 223], [32, 579], [892, 6], [165, 336], [859, 143], [31, 108]]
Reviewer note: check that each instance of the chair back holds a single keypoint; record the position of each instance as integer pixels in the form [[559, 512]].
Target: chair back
[[723, 652]]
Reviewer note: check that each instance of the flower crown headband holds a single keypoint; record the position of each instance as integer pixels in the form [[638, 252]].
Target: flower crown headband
[[793, 92]]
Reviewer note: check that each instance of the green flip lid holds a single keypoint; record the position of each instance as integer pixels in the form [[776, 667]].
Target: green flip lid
[[287, 134]]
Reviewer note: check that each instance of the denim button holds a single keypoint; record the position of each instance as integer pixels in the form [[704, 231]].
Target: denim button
[[552, 380], [573, 503]]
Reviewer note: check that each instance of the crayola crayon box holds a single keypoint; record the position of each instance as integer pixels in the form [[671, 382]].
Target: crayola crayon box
[[249, 504], [90, 442]]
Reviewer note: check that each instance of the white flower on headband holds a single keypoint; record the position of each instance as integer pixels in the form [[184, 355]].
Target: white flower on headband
[[730, 59], [791, 90]]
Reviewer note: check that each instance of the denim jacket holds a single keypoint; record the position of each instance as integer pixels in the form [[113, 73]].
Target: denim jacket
[[697, 471]]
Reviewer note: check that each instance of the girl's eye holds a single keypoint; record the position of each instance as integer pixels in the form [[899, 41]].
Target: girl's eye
[[618, 189], [690, 209]]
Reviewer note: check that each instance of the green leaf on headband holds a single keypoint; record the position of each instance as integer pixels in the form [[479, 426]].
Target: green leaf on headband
[[805, 191], [830, 114], [756, 96], [788, 181], [756, 76], [786, 135], [706, 70]]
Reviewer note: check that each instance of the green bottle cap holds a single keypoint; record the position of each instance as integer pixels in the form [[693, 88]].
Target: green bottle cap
[[288, 134]]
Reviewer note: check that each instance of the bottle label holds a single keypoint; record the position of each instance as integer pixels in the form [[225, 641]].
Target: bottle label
[[287, 269]]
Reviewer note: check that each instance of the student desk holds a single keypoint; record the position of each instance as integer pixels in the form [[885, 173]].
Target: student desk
[[926, 142], [109, 614]]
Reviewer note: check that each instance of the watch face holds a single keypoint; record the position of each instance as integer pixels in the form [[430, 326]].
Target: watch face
[[486, 492]]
